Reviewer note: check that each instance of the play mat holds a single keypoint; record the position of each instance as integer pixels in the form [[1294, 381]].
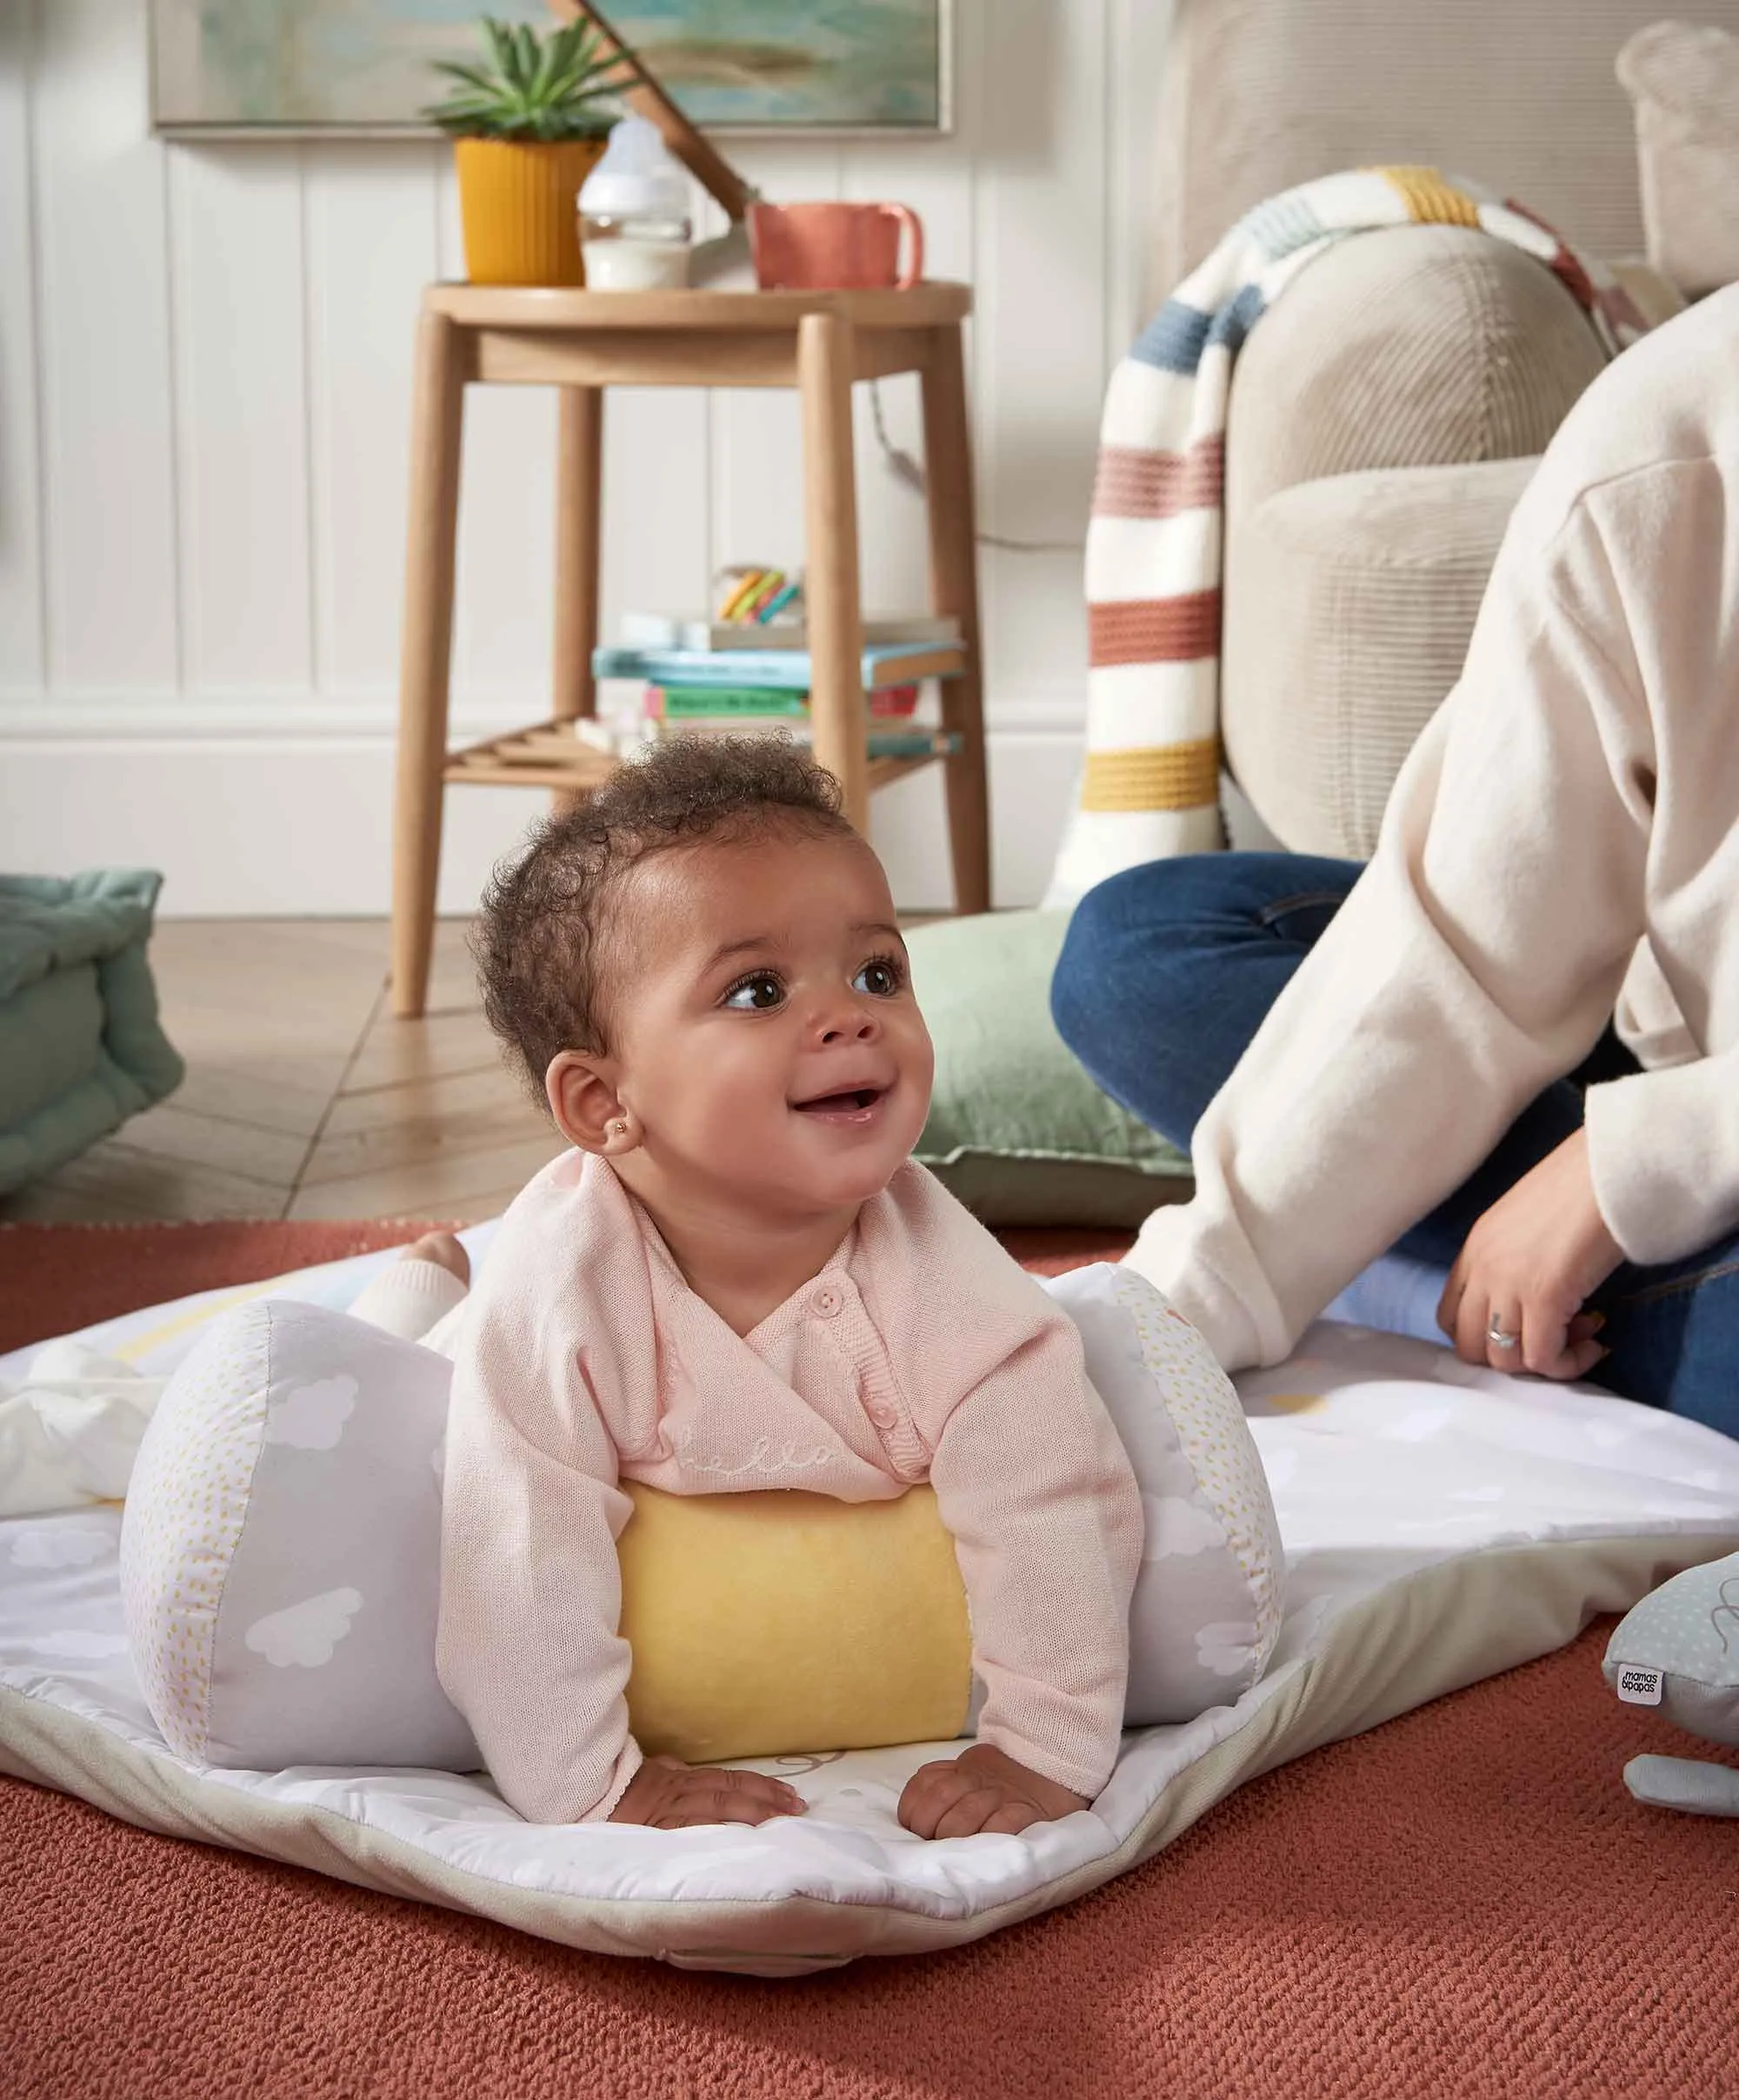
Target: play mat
[[1441, 1523]]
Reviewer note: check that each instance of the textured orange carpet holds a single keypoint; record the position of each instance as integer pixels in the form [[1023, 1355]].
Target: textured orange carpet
[[1463, 1903], [55, 1278]]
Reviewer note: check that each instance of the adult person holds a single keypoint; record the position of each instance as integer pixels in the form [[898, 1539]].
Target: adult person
[[1511, 1045]]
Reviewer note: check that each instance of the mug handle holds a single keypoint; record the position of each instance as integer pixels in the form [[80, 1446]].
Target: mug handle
[[914, 226]]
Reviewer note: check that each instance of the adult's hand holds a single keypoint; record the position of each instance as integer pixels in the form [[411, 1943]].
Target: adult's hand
[[1527, 1267], [668, 1795]]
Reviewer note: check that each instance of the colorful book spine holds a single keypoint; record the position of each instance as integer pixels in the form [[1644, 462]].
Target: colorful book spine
[[884, 742], [728, 701], [734, 703], [913, 744], [891, 703], [787, 669], [679, 630]]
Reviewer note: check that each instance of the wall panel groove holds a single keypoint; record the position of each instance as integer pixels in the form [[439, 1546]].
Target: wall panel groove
[[24, 584], [205, 356], [310, 550]]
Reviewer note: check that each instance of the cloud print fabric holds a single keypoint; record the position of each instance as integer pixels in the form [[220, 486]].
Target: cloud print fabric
[[1207, 1606], [312, 1417], [282, 1530], [305, 1634], [280, 1549]]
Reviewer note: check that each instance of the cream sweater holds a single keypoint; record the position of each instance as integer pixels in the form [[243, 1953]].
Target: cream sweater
[[1564, 831], [921, 1351]]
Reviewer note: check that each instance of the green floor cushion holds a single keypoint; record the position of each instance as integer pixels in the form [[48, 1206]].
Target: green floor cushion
[[1016, 1129], [81, 1048]]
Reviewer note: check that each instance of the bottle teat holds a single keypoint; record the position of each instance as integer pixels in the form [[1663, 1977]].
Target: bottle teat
[[637, 177]]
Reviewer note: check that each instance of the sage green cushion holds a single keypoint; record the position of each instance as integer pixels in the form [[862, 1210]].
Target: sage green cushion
[[81, 1048], [1016, 1129]]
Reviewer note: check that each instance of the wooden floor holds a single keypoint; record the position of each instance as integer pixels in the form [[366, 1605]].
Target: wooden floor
[[305, 1098]]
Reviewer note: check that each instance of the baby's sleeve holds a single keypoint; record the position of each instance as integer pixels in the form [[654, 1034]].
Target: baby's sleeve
[[1033, 1481], [528, 1648], [411, 1298]]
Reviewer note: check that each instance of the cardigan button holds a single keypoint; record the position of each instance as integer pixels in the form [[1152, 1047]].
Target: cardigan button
[[827, 1301], [881, 1415]]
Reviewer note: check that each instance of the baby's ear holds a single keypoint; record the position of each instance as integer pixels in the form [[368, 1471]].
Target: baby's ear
[[585, 1106]]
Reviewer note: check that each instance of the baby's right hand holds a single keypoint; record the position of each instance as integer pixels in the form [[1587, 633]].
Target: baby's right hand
[[666, 1795]]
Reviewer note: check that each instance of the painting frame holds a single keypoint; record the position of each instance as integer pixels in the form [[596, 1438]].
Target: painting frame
[[165, 16]]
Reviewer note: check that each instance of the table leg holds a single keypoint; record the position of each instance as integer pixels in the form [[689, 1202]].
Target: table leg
[[425, 659], [838, 716], [579, 486], [953, 589]]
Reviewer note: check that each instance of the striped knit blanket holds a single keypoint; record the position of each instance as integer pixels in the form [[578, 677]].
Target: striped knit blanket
[[1150, 784]]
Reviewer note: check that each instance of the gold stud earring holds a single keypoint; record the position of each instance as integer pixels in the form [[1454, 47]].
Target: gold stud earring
[[617, 1129]]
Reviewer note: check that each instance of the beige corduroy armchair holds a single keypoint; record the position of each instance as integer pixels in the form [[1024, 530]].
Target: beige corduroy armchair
[[1388, 412]]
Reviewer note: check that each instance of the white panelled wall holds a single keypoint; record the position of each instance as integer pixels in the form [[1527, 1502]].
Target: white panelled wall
[[204, 393]]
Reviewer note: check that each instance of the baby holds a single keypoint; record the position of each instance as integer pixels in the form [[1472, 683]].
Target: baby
[[737, 1278]]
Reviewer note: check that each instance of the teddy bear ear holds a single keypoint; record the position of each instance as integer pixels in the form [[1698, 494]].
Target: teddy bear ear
[[1684, 1783]]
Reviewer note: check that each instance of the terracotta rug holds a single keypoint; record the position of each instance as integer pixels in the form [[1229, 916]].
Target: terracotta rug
[[1465, 1902]]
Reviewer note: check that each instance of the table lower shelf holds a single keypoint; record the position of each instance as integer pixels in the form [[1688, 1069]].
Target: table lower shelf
[[552, 754]]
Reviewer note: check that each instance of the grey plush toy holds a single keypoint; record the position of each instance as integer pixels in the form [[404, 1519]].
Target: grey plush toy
[[1679, 1650]]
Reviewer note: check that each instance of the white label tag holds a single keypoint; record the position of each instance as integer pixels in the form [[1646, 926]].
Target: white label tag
[[1638, 1687]]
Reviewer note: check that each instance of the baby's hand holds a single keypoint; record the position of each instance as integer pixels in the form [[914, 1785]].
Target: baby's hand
[[982, 1790], [666, 1795]]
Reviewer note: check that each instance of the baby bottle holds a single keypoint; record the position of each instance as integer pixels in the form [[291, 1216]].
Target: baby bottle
[[634, 214]]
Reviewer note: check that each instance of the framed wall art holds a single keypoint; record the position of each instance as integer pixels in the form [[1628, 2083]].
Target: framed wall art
[[362, 68]]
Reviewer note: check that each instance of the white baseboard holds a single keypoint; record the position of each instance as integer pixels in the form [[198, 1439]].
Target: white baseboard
[[248, 817]]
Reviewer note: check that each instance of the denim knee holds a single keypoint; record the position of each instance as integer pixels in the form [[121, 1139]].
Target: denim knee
[[1089, 968], [1122, 938]]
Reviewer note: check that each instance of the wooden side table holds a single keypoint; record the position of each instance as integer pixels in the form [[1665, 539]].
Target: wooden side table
[[582, 342]]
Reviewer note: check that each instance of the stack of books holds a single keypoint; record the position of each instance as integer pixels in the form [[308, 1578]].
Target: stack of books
[[693, 632], [705, 677], [678, 709]]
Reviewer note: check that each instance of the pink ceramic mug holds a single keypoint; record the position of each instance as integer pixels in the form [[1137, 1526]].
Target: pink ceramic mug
[[833, 247]]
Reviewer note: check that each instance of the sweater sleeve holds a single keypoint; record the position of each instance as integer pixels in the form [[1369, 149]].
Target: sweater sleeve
[[1477, 958], [1033, 1483], [1663, 1149], [410, 1297], [526, 1647]]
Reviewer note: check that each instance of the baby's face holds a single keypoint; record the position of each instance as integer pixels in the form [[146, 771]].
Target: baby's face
[[765, 1030]]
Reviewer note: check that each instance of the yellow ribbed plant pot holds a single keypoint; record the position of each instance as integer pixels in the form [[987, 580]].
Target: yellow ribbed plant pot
[[516, 201]]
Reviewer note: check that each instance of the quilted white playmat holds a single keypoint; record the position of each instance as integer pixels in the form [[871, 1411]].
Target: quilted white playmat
[[1441, 1523]]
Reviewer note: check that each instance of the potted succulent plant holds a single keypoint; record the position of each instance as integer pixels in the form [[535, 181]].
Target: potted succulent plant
[[528, 125]]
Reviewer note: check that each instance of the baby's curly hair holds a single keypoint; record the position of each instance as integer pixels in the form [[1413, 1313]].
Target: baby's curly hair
[[541, 941]]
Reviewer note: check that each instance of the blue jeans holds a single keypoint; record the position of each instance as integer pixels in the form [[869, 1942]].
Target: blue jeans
[[1168, 970]]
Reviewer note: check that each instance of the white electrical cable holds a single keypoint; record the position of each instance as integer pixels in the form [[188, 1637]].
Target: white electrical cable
[[910, 471]]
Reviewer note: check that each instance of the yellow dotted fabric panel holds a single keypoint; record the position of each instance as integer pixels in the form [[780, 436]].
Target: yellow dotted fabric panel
[[186, 1505], [1215, 1440]]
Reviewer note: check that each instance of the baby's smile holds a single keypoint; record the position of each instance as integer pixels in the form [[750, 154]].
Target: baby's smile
[[847, 1107]]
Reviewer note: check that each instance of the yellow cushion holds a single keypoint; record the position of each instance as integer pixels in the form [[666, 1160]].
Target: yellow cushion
[[777, 1622]]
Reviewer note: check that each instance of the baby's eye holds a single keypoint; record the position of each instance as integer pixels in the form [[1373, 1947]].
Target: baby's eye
[[758, 994], [880, 977]]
